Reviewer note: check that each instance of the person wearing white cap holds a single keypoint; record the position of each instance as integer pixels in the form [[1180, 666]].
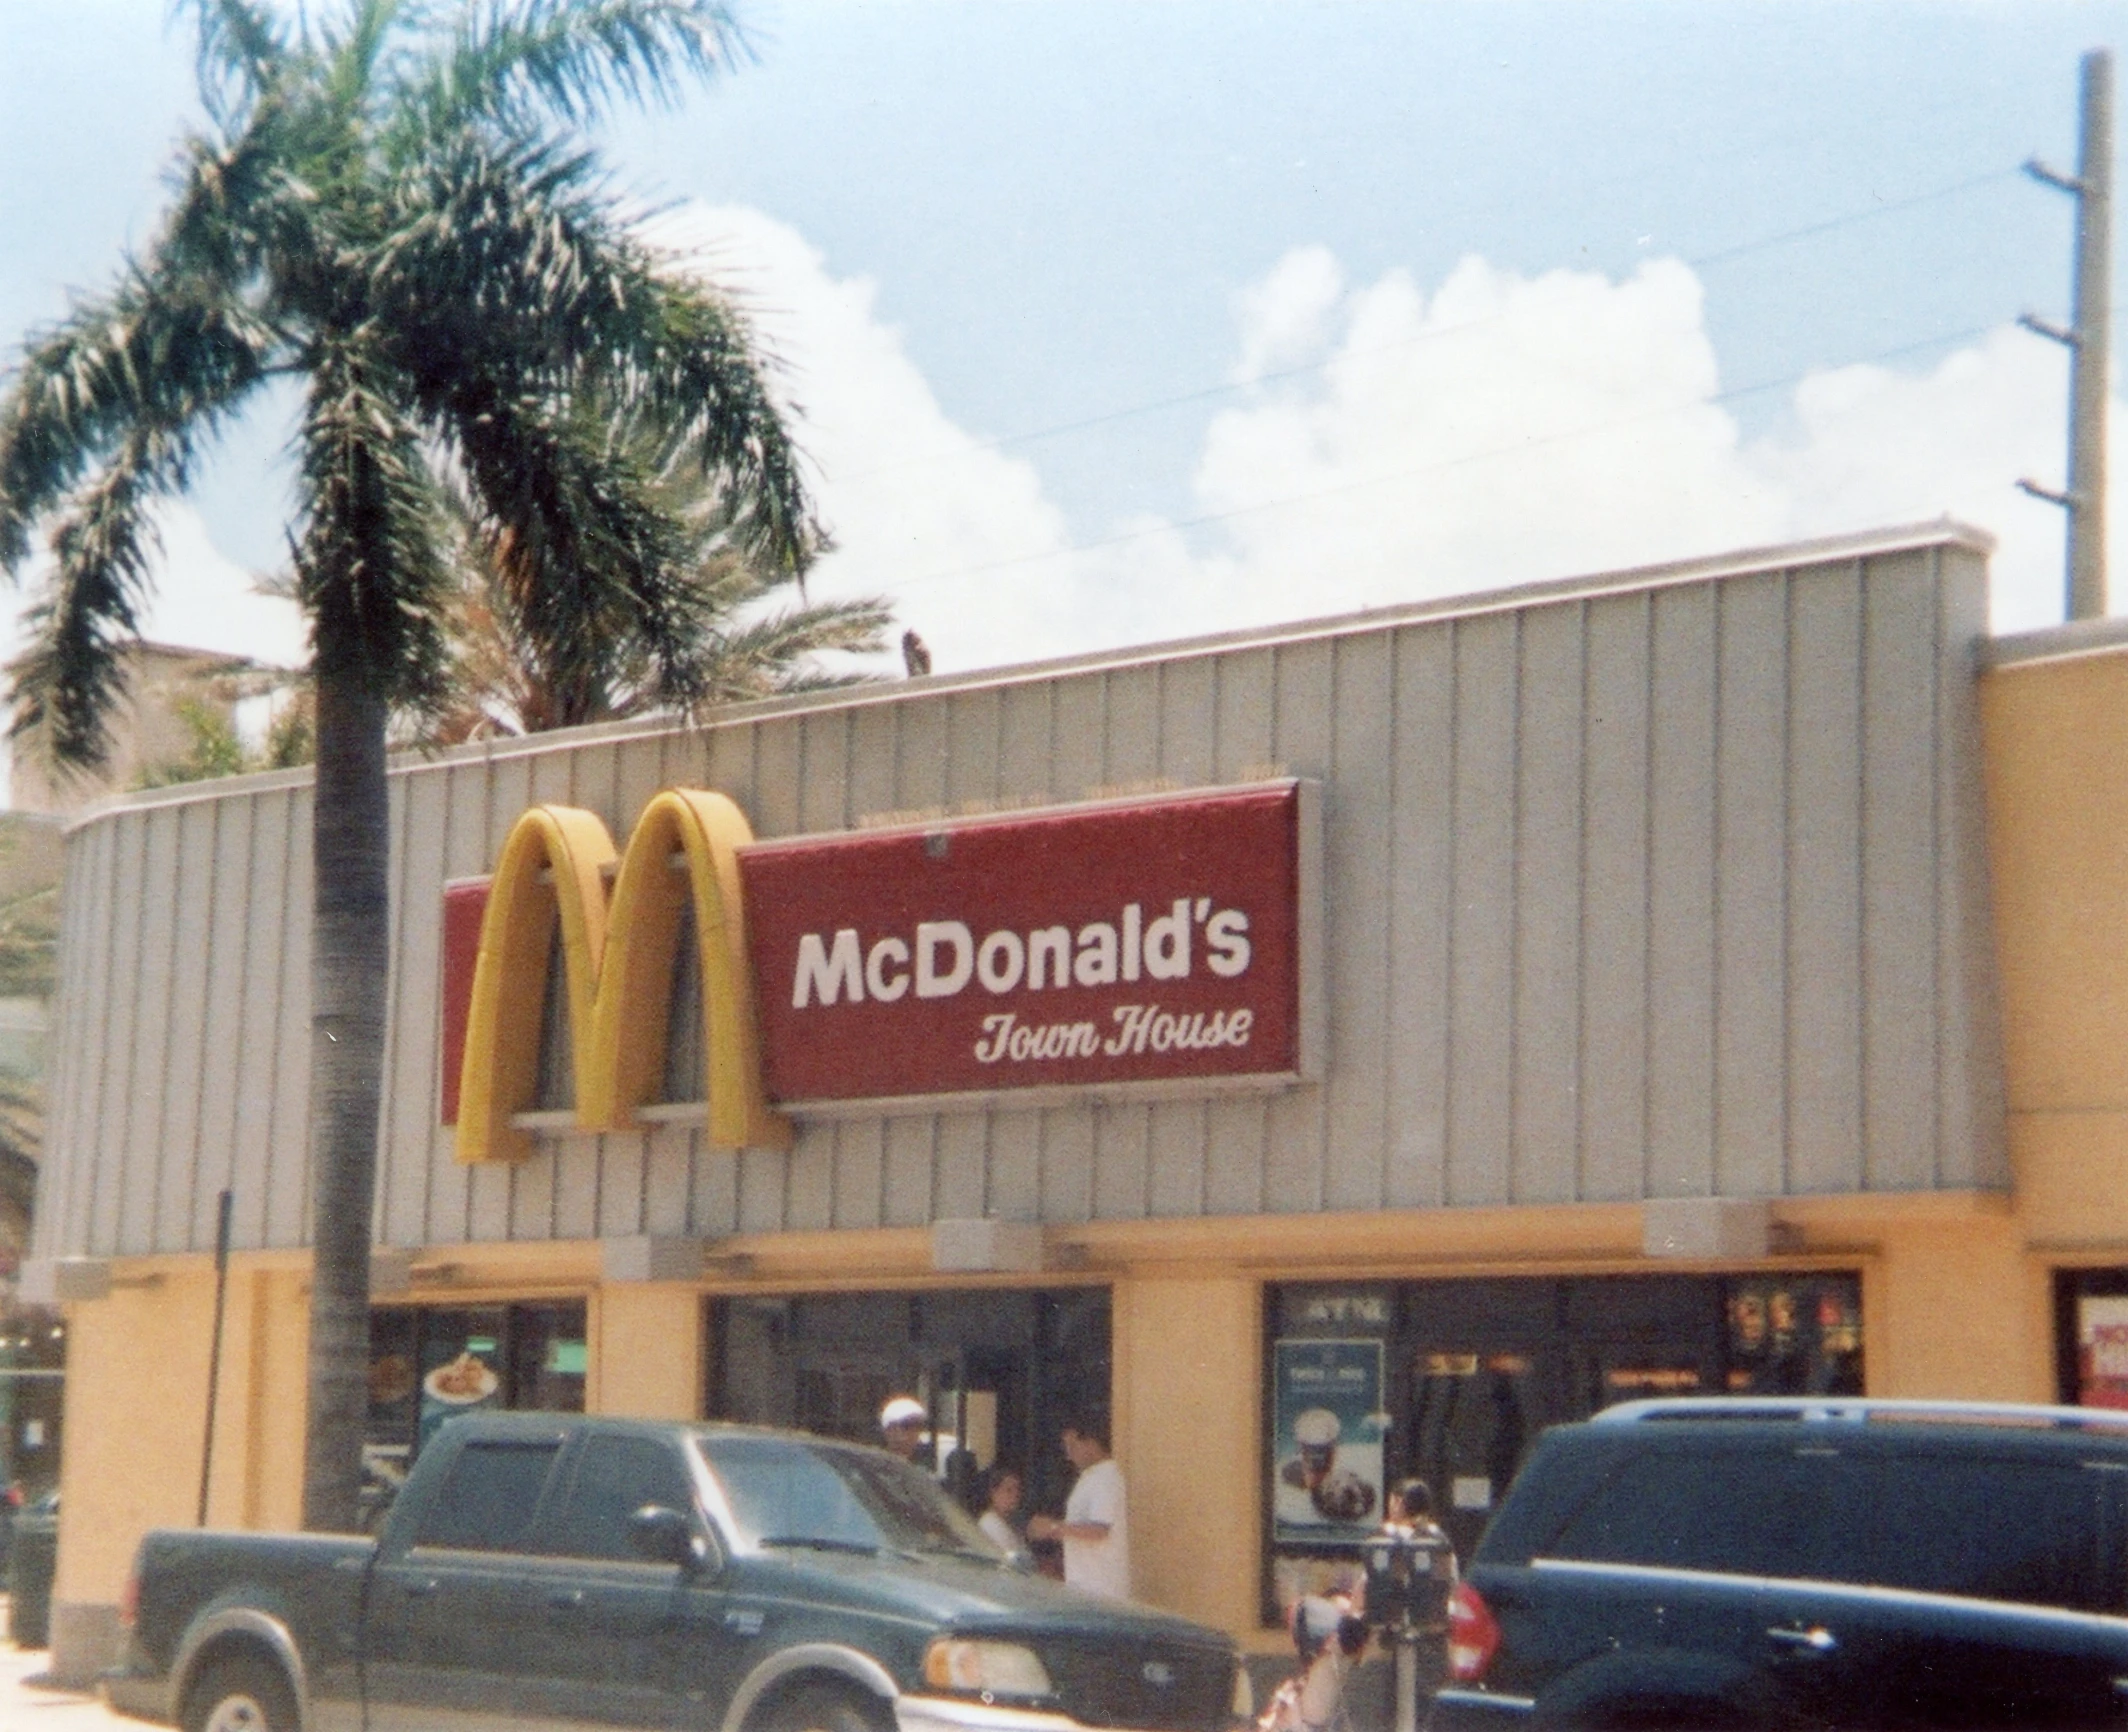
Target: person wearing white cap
[[901, 1425]]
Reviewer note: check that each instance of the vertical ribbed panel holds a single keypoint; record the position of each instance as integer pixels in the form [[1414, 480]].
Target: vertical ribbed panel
[[1667, 888]]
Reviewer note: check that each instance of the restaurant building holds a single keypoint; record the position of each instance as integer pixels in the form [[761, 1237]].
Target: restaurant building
[[1327, 1052]]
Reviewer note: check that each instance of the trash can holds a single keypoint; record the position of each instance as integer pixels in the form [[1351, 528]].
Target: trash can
[[31, 1559]]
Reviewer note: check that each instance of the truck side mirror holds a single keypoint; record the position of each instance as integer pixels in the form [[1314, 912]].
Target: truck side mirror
[[665, 1536]]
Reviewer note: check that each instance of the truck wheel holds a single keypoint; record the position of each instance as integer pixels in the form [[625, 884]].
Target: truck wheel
[[240, 1695], [825, 1708]]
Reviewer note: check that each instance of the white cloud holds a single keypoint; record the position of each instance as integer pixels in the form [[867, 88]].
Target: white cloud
[[1873, 446], [1284, 320], [1496, 430], [1512, 428], [907, 493], [205, 600]]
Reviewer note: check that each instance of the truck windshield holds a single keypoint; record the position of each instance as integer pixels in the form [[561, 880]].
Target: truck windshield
[[831, 1499]]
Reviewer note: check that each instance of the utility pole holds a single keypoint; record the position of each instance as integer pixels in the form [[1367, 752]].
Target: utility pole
[[2089, 339]]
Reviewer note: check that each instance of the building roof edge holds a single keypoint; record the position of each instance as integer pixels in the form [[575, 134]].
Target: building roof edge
[[1863, 544]]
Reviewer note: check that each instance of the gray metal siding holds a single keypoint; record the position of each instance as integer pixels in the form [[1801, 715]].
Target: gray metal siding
[[1653, 888]]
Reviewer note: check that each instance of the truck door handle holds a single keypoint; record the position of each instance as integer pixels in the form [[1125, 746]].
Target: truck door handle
[[566, 1599], [420, 1589], [1815, 1640]]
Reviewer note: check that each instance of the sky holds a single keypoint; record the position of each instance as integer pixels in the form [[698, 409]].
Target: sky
[[1110, 322]]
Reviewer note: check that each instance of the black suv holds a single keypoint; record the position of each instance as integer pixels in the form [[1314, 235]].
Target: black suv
[[1831, 1562]]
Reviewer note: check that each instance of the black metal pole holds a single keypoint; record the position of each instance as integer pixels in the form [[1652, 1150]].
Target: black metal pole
[[214, 1352]]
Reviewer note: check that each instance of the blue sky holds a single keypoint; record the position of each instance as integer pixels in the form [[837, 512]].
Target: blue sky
[[1115, 321]]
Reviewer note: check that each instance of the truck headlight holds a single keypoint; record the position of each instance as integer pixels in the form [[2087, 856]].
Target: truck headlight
[[976, 1668]]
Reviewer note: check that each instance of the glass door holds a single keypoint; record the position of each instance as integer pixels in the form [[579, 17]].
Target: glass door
[[1474, 1415]]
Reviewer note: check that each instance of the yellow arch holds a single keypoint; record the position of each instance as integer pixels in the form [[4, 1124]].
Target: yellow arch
[[552, 867], [619, 963], [635, 987]]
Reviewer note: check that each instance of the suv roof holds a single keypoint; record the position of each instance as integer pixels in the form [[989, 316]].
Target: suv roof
[[1861, 1410]]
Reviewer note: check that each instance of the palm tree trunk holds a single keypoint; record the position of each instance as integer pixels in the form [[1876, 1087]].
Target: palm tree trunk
[[349, 971]]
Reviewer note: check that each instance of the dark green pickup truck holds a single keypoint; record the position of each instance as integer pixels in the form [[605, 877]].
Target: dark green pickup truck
[[544, 1572]]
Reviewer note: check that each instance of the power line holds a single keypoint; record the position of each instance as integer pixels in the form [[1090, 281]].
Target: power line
[[1852, 217], [1209, 393], [1288, 500]]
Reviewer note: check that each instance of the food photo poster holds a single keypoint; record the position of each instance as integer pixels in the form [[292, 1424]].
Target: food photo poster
[[1326, 1455]]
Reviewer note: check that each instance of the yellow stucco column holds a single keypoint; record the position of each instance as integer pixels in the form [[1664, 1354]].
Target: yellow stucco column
[[136, 1404], [1188, 1371], [646, 1351], [1958, 1312]]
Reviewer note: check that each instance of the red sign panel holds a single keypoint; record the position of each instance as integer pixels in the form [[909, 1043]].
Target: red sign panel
[[1143, 943]]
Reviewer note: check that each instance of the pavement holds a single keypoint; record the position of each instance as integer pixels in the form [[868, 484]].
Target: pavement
[[29, 1704]]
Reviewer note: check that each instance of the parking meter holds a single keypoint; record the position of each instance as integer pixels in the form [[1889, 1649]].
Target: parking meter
[[1411, 1570]]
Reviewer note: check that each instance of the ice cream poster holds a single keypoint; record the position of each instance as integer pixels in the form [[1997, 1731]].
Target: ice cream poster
[[1326, 1446]]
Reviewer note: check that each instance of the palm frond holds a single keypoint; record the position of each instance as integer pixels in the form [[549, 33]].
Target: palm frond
[[29, 942], [506, 259], [240, 55], [512, 263], [582, 553], [702, 375], [21, 1148], [352, 54], [70, 675], [518, 63], [368, 569], [158, 365], [762, 657]]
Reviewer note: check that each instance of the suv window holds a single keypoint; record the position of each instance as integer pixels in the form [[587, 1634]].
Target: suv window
[[489, 1497], [615, 1477], [1739, 1512], [1987, 1529]]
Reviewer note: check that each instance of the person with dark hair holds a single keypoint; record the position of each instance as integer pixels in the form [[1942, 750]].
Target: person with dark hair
[[1095, 1528], [1002, 1489]]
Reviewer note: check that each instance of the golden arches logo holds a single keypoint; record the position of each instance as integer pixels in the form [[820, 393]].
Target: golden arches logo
[[617, 962]]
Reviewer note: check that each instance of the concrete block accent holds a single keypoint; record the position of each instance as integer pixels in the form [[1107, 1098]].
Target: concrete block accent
[[65, 1280], [87, 1639], [1707, 1227], [650, 1257], [391, 1271], [986, 1247]]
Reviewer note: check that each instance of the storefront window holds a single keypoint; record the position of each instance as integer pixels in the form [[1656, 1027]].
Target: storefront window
[[997, 1369], [429, 1362], [2091, 1336], [32, 1391], [1452, 1381]]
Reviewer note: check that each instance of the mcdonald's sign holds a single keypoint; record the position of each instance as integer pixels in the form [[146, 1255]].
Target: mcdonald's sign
[[1144, 945], [1155, 944], [618, 958]]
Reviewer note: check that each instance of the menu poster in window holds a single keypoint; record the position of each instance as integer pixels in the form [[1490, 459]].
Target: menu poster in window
[[1326, 1442], [458, 1384], [2102, 1351]]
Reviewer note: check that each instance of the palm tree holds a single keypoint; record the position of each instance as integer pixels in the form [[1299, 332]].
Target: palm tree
[[517, 669], [387, 207]]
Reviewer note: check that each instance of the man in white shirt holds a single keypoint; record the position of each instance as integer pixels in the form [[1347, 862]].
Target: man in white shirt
[[1096, 1525]]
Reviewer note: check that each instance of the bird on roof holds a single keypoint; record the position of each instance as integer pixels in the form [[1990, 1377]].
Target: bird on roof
[[915, 655]]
